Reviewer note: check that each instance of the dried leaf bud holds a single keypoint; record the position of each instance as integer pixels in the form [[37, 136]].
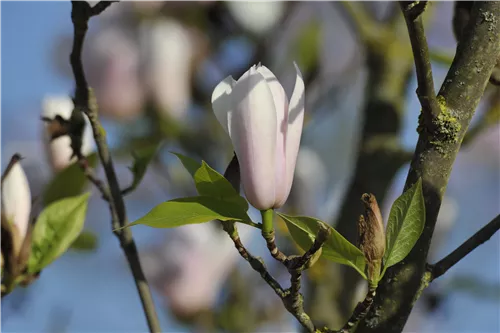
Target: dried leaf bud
[[371, 235]]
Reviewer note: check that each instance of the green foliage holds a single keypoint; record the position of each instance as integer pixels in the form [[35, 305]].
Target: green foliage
[[191, 165], [56, 229], [68, 182], [142, 158], [179, 212], [86, 241], [210, 183], [304, 229], [405, 225], [218, 200]]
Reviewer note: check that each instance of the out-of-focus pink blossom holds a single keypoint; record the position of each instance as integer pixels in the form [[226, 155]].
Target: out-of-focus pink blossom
[[192, 266], [265, 129], [59, 149], [168, 58], [119, 92]]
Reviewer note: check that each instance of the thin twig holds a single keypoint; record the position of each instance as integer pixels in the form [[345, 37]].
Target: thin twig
[[412, 11], [92, 177], [232, 174], [85, 102], [291, 297], [256, 263], [360, 311], [270, 238], [294, 302], [467, 247]]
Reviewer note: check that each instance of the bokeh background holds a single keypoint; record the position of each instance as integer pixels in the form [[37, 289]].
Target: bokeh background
[[153, 66]]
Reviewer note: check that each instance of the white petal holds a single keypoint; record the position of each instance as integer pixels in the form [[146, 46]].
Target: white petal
[[222, 102], [294, 132], [281, 106], [257, 16], [59, 149], [57, 106], [16, 198], [253, 132], [60, 153]]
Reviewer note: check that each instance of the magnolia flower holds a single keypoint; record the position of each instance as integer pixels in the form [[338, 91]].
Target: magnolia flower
[[265, 129], [168, 57], [257, 17], [59, 149], [16, 199], [190, 268], [118, 89]]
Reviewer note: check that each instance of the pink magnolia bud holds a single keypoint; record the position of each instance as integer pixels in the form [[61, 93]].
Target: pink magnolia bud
[[59, 149], [265, 130], [16, 199], [169, 54], [115, 62]]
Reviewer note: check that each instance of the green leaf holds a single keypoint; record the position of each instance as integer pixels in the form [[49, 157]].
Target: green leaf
[[86, 241], [405, 225], [142, 158], [304, 229], [190, 164], [179, 212], [68, 182], [210, 183], [56, 229]]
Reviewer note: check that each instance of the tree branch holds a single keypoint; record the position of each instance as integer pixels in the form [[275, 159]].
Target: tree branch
[[291, 297], [92, 177], [467, 247], [435, 154], [256, 263], [85, 102], [412, 11], [389, 67]]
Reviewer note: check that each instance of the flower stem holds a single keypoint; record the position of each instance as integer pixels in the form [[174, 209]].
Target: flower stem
[[267, 220]]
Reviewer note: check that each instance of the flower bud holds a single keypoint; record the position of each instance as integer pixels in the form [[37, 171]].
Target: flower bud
[[16, 201], [57, 113], [115, 66], [257, 17], [265, 129], [371, 235], [169, 54]]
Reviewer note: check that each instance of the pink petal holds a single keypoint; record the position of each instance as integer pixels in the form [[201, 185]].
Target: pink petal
[[222, 102], [294, 131], [253, 132], [281, 106]]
